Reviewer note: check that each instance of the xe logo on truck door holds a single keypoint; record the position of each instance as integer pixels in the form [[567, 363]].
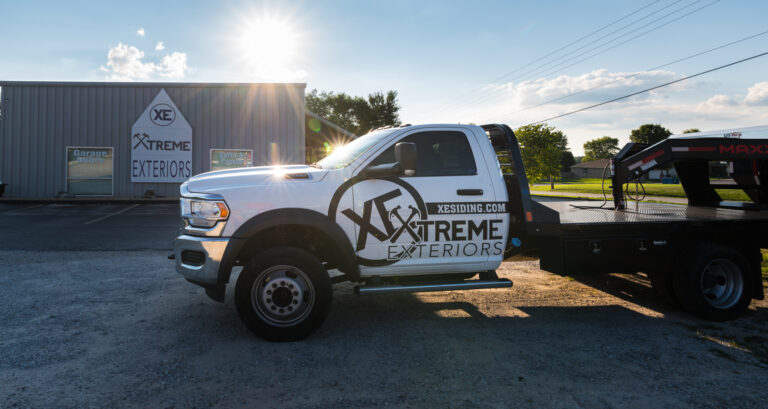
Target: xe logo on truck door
[[390, 233], [389, 217]]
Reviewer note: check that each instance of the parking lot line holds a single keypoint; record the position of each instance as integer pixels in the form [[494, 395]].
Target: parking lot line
[[113, 214], [25, 208]]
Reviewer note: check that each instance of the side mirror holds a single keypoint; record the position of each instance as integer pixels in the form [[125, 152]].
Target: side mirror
[[380, 171], [405, 155]]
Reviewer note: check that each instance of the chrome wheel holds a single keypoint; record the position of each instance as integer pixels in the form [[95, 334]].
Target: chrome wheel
[[721, 283], [282, 295]]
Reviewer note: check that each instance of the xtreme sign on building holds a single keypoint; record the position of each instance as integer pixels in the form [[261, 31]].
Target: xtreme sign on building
[[122, 139], [162, 143]]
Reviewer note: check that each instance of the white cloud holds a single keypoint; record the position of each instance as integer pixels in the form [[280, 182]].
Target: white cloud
[[515, 104], [757, 94], [173, 66], [124, 63], [717, 104], [140, 32], [606, 85], [160, 46]]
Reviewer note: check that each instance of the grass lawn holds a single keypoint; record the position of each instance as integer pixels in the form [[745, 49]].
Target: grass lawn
[[651, 189], [764, 264]]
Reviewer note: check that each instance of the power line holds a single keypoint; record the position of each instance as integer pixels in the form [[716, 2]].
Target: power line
[[650, 89], [637, 36], [614, 32], [482, 98], [646, 70], [554, 52]]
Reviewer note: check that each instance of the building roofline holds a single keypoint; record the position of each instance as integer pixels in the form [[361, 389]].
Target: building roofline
[[329, 123], [600, 162], [153, 84]]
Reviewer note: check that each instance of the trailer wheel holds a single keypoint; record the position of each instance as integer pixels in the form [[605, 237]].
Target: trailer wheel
[[283, 294], [716, 285]]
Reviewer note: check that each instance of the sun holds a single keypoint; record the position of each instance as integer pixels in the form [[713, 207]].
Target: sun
[[269, 46]]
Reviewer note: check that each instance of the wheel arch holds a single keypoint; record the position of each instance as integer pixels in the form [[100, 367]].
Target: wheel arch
[[750, 252], [290, 224]]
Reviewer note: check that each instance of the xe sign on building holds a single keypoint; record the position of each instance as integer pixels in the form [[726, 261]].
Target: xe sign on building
[[161, 143]]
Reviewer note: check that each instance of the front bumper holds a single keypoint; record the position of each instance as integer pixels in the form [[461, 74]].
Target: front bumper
[[199, 259]]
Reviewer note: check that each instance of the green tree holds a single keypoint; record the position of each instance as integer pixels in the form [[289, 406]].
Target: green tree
[[542, 148], [355, 114], [600, 148], [379, 110], [649, 134], [566, 161], [691, 130]]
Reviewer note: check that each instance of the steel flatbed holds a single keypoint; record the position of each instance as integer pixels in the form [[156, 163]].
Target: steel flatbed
[[588, 213]]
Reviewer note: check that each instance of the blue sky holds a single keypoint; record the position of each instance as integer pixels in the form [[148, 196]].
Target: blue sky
[[441, 56]]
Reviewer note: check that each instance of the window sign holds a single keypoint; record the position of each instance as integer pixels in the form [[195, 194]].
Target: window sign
[[231, 158], [89, 171]]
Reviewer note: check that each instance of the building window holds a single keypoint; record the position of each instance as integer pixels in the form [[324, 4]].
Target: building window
[[90, 171], [231, 158]]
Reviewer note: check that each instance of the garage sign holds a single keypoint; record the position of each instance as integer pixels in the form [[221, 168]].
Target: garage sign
[[161, 143]]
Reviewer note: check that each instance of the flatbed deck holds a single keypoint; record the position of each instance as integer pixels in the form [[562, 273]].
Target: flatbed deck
[[576, 213]]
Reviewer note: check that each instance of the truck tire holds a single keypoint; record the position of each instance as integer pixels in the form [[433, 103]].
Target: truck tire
[[716, 283], [283, 294]]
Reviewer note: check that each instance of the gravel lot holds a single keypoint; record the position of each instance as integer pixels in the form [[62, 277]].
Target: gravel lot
[[122, 329]]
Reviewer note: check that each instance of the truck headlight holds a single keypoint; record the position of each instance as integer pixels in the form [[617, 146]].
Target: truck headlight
[[203, 213]]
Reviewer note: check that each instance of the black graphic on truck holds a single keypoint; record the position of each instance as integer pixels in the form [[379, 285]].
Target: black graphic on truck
[[426, 237]]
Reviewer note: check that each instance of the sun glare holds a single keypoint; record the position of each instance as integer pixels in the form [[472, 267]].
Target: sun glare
[[269, 46]]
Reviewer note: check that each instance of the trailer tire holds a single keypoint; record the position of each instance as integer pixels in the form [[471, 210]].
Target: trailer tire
[[283, 294], [716, 285]]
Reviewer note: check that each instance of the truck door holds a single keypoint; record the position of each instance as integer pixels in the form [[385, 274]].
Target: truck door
[[444, 217]]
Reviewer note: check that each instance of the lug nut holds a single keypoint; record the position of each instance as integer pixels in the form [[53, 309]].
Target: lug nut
[[296, 293], [290, 308], [273, 308], [295, 302], [282, 310], [269, 300], [290, 286], [269, 292], [274, 285], [282, 283]]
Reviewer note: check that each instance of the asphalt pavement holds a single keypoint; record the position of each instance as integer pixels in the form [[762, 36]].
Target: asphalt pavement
[[83, 227]]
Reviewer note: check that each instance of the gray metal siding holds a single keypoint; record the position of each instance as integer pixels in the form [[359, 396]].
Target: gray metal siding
[[41, 120]]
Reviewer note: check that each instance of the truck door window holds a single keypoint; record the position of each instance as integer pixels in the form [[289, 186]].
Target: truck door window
[[440, 153]]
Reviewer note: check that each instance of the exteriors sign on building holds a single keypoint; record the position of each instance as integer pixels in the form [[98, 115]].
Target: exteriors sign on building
[[161, 143]]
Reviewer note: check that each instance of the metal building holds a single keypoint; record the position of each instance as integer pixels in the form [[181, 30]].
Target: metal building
[[121, 140]]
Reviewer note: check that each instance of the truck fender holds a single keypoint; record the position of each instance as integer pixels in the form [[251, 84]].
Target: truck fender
[[338, 240]]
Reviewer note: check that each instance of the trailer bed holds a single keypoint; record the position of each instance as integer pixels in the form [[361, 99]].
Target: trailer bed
[[576, 213]]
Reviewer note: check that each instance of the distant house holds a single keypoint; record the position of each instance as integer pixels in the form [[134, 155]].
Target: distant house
[[594, 169], [591, 169]]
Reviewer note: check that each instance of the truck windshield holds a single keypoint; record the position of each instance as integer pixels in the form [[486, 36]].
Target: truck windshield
[[344, 155]]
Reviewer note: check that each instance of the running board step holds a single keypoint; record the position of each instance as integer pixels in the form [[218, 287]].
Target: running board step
[[434, 286]]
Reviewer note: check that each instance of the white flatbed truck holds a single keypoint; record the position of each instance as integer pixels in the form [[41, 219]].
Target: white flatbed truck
[[430, 207]]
